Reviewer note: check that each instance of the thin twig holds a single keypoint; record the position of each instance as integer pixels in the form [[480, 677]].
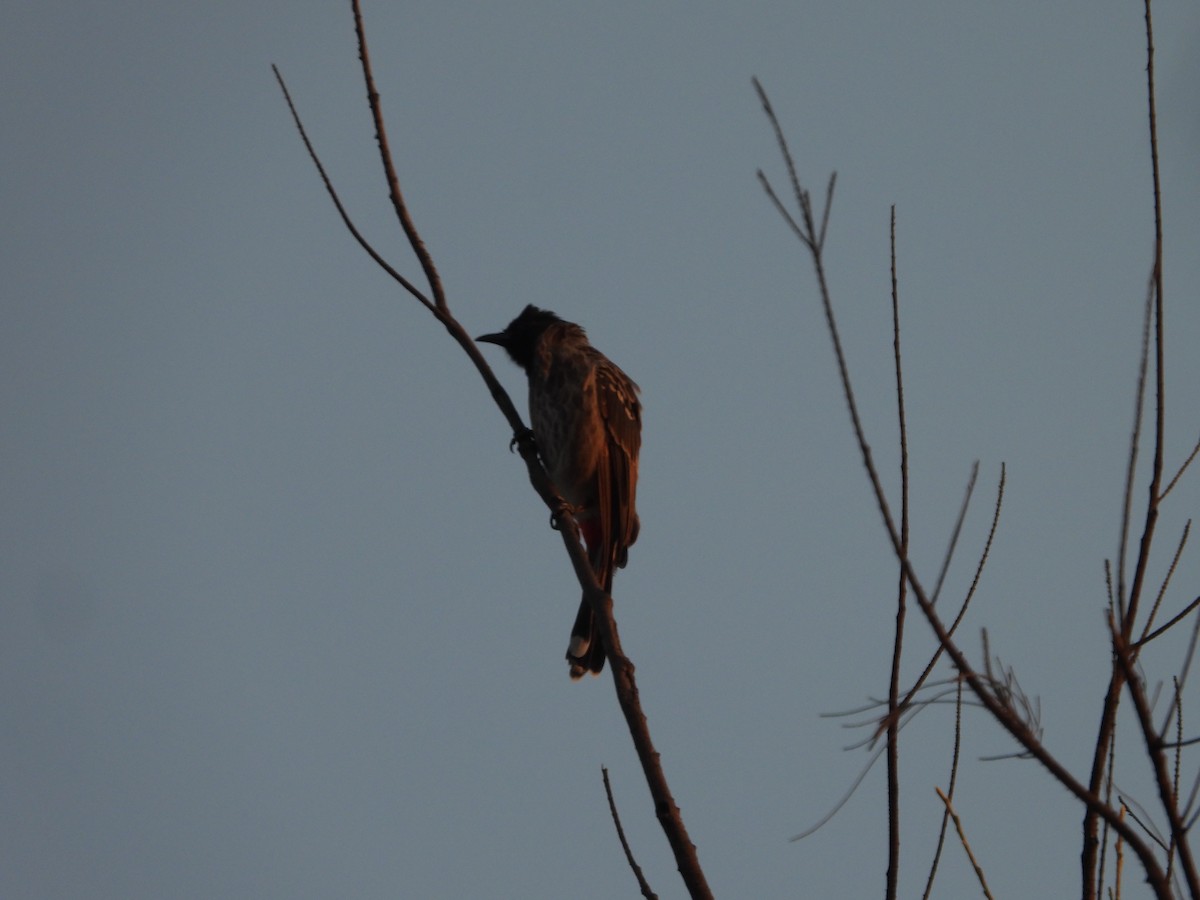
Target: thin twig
[[1142, 819], [1188, 809], [1155, 487], [1187, 462], [828, 207], [1190, 653], [389, 167], [874, 703], [1120, 863], [1162, 590], [837, 807], [637, 870], [1108, 586], [337, 202], [893, 733], [805, 236], [906, 717], [941, 841], [1139, 406], [962, 836], [1175, 620], [1108, 792], [1178, 704], [537, 474], [955, 533], [962, 610]]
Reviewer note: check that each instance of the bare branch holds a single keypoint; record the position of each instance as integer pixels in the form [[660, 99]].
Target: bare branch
[[1108, 791], [1004, 716], [828, 206], [623, 671], [941, 841], [1009, 693], [987, 547], [893, 732], [389, 167], [1131, 467], [1142, 818], [1146, 635], [1120, 865], [962, 836], [637, 870], [837, 807], [1187, 462], [1108, 586], [800, 195], [1189, 809], [780, 208], [1190, 653], [337, 202], [955, 533], [1154, 750], [1127, 603], [1175, 774]]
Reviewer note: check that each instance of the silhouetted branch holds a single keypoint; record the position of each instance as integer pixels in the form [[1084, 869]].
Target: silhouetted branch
[[643, 885], [1175, 775], [1190, 653], [337, 202], [1154, 745], [837, 807], [983, 557], [1143, 820], [893, 732], [1146, 637], [941, 841], [1134, 443], [1183, 468], [1127, 603], [956, 532], [623, 671], [979, 686], [1108, 792], [966, 845], [1120, 868], [389, 167]]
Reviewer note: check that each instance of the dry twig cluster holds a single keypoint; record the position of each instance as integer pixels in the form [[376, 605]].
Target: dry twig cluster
[[1167, 858]]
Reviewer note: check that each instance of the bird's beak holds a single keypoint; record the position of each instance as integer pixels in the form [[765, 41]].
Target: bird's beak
[[499, 338]]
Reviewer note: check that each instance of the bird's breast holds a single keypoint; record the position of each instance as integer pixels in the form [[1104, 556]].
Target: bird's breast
[[569, 433]]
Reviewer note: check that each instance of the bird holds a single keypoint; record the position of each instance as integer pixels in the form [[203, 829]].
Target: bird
[[587, 425]]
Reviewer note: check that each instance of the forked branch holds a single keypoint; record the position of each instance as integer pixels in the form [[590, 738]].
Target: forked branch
[[812, 237], [623, 671]]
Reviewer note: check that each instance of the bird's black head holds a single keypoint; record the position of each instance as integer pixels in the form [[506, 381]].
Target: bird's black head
[[522, 333]]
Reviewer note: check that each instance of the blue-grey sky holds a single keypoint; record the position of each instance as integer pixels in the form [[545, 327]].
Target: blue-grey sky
[[279, 614]]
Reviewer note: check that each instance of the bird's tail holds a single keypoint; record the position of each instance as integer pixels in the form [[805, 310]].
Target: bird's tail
[[586, 651]]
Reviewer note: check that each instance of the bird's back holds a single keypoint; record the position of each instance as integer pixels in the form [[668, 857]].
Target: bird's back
[[586, 417]]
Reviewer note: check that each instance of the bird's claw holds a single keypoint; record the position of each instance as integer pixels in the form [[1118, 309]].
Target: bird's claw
[[556, 516], [521, 439]]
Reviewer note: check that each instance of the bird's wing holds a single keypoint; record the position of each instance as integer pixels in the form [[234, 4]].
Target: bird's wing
[[617, 397]]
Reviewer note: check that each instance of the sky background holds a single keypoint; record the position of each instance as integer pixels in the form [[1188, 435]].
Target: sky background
[[280, 615]]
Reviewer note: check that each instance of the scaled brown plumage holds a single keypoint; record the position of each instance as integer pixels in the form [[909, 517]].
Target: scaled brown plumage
[[587, 421]]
